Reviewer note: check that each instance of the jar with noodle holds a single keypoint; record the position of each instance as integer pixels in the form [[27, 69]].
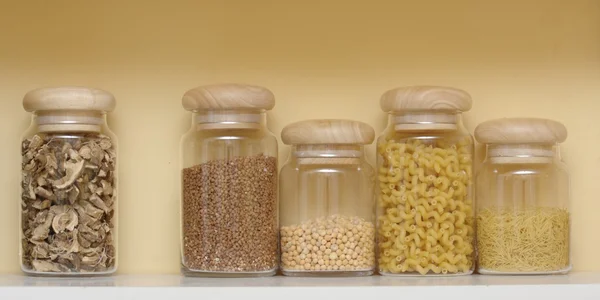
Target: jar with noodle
[[523, 197]]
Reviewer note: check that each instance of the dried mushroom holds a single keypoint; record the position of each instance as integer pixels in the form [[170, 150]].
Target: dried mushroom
[[65, 219], [47, 266], [68, 203]]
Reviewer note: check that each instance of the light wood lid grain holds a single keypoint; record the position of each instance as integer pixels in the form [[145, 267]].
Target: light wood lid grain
[[425, 98], [327, 131], [228, 96], [521, 131], [68, 98]]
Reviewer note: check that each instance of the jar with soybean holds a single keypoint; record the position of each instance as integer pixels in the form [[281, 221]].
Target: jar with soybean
[[523, 219], [326, 195], [68, 184], [425, 213], [229, 221]]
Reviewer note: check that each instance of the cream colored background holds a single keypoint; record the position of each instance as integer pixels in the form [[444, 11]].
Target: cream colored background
[[320, 58]]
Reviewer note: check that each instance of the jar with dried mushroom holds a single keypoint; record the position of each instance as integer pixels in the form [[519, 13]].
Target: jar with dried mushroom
[[327, 217], [69, 184], [424, 188], [229, 183]]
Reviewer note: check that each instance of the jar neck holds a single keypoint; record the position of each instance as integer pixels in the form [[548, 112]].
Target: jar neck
[[332, 154], [521, 154], [69, 121], [411, 121], [229, 119]]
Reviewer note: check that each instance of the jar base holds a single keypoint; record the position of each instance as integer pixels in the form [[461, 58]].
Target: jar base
[[492, 272], [213, 274], [72, 274], [327, 273], [415, 274]]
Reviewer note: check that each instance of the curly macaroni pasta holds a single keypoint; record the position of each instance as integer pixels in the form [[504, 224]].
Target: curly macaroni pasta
[[426, 219]]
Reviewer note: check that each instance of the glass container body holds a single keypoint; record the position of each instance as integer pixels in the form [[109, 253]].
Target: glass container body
[[68, 211], [523, 221], [229, 209], [424, 195], [327, 212]]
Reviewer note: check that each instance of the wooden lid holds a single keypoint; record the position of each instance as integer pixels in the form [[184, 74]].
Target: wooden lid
[[426, 98], [68, 98], [521, 131], [327, 132], [228, 96]]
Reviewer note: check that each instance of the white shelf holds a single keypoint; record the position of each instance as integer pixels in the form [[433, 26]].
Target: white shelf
[[171, 287]]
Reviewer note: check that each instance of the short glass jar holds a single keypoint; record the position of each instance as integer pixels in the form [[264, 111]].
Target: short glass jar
[[424, 188], [229, 221], [326, 196], [523, 220], [69, 184]]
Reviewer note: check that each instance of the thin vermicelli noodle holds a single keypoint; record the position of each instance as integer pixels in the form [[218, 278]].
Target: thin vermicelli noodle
[[527, 240]]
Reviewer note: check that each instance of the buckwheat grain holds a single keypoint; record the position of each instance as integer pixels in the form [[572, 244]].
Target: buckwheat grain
[[230, 215]]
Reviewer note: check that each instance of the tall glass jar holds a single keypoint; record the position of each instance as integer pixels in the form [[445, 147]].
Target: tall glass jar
[[424, 191], [69, 184], [229, 220], [523, 220], [327, 211]]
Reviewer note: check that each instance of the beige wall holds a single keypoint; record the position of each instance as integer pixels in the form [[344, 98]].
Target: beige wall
[[321, 59]]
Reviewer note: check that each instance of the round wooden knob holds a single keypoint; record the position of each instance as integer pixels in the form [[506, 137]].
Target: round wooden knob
[[228, 96], [327, 132], [521, 131], [425, 98], [68, 98]]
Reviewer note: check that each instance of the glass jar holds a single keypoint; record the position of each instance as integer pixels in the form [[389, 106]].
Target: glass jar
[[229, 220], [69, 184], [523, 221], [424, 191], [327, 211]]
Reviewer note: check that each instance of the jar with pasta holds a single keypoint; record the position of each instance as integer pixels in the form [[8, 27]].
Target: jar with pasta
[[425, 221], [327, 223], [523, 220]]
